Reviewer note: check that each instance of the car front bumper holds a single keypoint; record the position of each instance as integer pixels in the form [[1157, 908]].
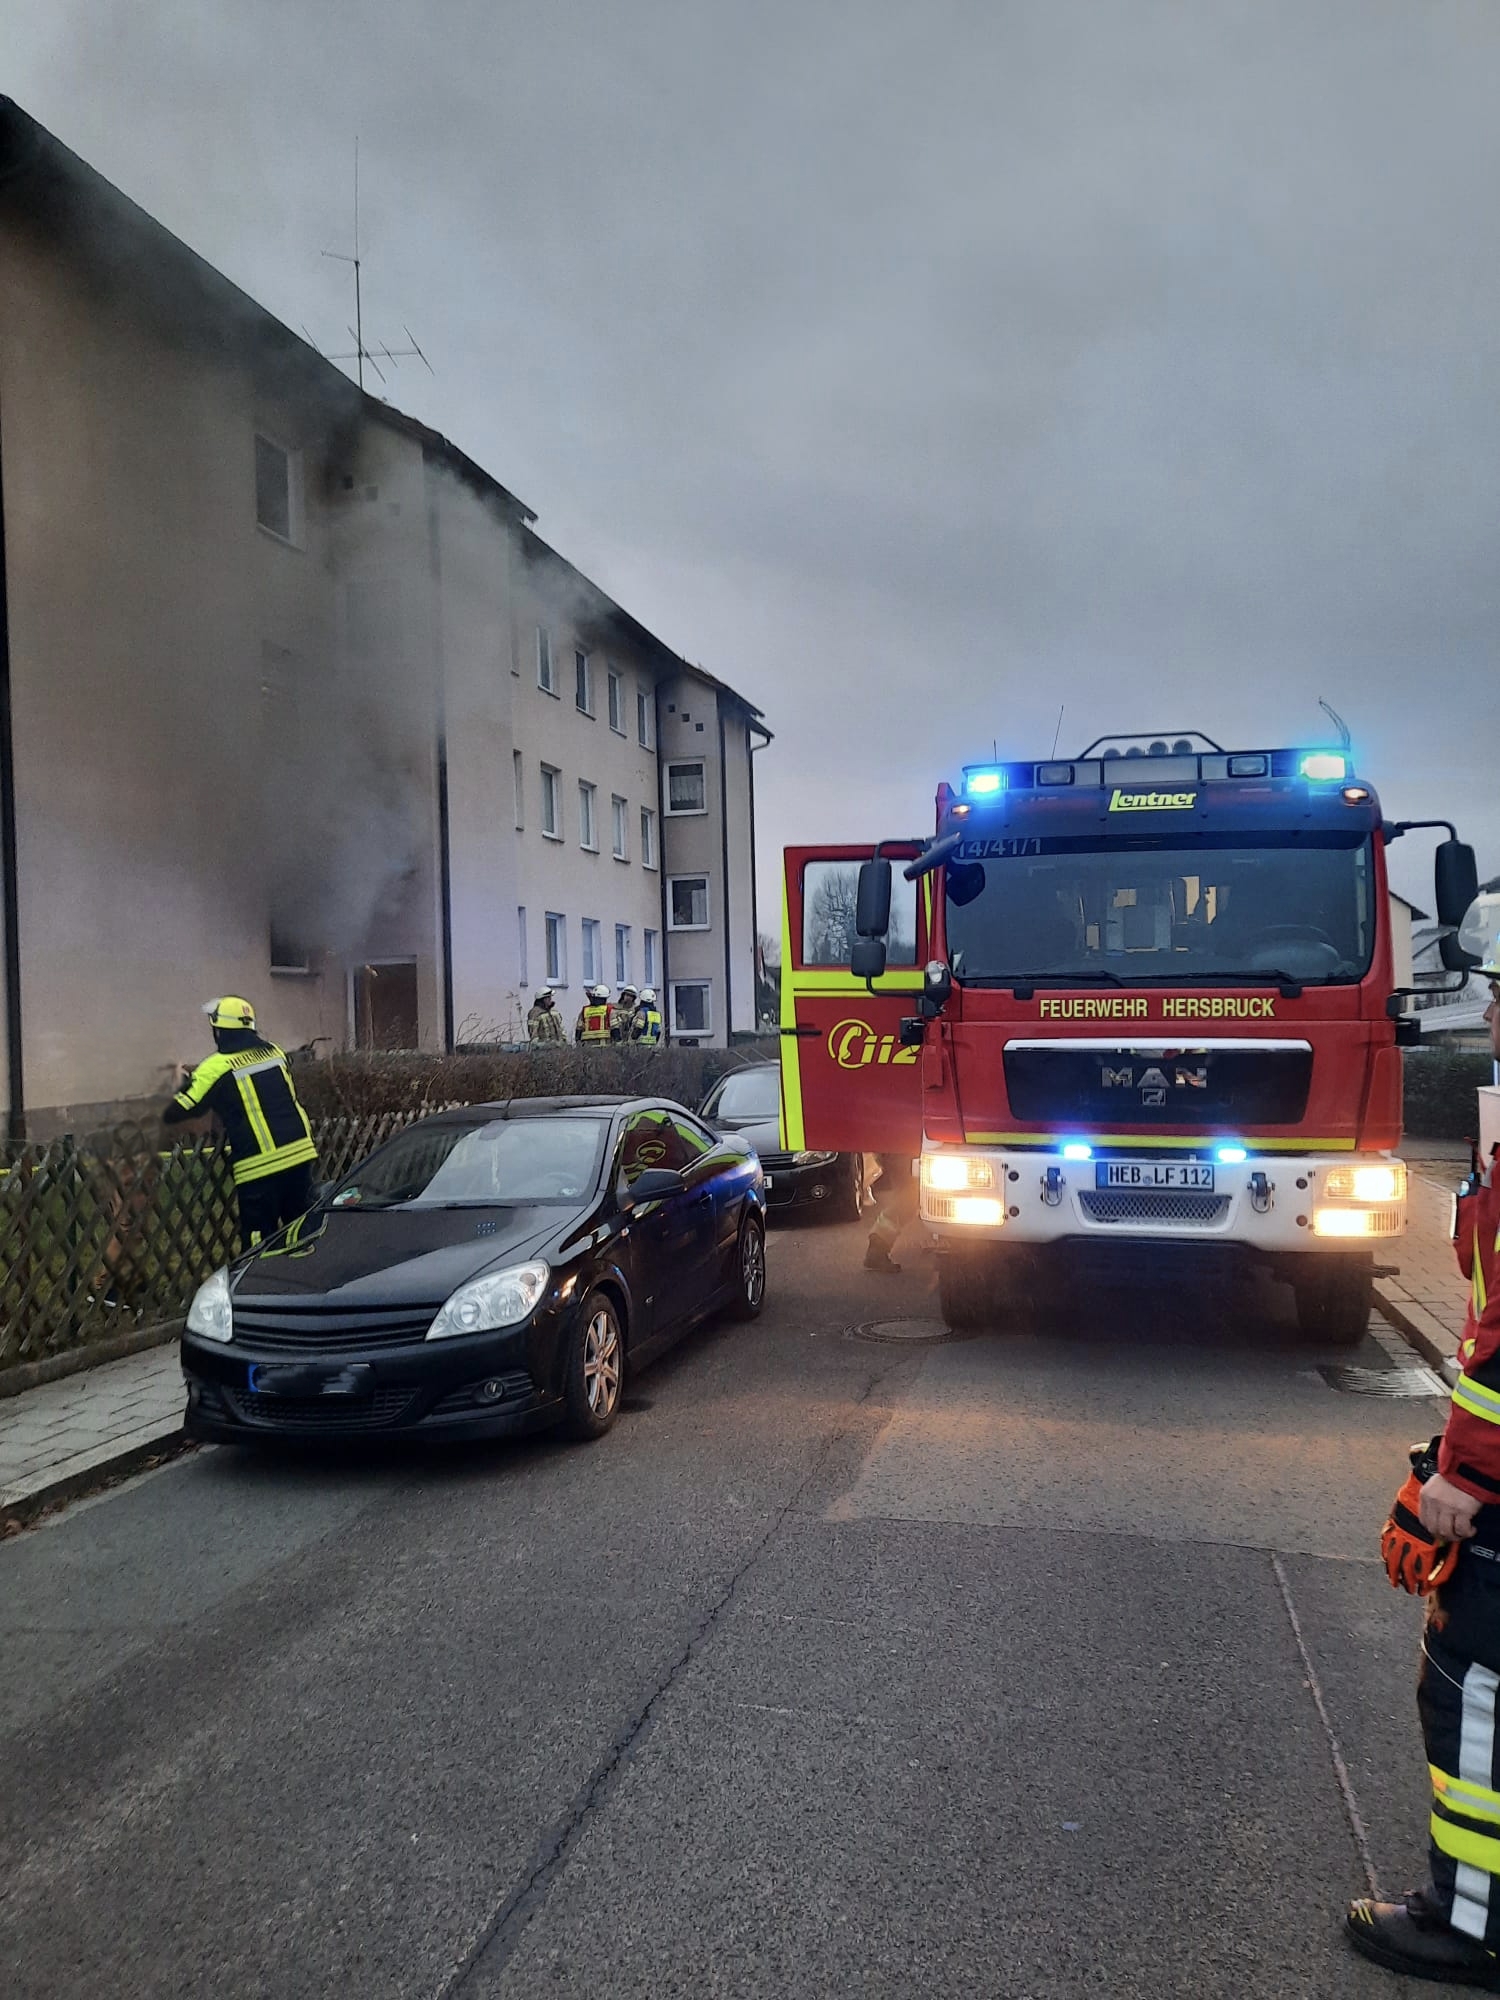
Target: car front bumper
[[791, 1186]]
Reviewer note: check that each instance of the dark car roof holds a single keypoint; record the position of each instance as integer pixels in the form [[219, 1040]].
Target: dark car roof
[[543, 1107]]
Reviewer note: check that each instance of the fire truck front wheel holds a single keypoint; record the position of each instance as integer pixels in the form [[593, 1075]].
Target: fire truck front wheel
[[978, 1286], [1333, 1295]]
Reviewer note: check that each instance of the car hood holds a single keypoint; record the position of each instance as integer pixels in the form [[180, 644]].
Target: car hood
[[355, 1257], [764, 1134]]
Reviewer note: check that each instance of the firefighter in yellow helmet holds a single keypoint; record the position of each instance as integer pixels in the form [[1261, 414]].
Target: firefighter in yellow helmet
[[595, 1017], [247, 1084]]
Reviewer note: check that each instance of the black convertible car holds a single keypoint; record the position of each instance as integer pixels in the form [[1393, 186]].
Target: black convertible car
[[500, 1268]]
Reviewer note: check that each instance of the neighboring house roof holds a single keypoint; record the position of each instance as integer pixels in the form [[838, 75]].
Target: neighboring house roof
[[457, 460], [1397, 897]]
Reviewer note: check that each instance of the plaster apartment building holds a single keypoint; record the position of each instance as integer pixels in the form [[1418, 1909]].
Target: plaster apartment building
[[296, 702]]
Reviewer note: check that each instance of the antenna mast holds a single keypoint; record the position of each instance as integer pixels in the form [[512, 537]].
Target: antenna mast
[[360, 354], [1338, 722]]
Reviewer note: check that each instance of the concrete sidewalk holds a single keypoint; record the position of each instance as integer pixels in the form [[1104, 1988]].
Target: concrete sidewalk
[[61, 1437]]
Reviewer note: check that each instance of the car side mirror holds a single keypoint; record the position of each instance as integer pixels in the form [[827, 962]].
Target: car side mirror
[[652, 1184]]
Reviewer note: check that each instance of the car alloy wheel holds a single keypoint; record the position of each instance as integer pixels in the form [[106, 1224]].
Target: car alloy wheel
[[596, 1368], [750, 1293]]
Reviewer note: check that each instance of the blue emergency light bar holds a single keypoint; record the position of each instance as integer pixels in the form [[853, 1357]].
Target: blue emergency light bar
[[1158, 765]]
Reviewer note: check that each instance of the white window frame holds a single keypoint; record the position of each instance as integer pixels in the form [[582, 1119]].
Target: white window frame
[[645, 734], [583, 667], [588, 816], [521, 955], [616, 702], [650, 954], [555, 953], [698, 875], [648, 837], [552, 793], [706, 987], [593, 951], [623, 942], [619, 827], [292, 539], [700, 764], [518, 779], [546, 671]]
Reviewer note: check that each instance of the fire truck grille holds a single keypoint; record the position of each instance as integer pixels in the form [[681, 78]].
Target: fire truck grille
[[1188, 1211]]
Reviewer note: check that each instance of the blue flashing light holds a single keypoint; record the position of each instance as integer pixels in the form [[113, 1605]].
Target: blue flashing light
[[1077, 1151], [1325, 766], [984, 781], [1231, 1156]]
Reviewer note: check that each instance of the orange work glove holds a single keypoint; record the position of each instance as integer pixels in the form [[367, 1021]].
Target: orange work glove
[[1414, 1561]]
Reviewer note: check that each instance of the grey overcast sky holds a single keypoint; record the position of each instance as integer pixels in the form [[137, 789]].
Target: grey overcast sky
[[918, 369]]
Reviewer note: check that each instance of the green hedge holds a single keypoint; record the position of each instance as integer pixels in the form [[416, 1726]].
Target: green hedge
[[360, 1086], [1440, 1087]]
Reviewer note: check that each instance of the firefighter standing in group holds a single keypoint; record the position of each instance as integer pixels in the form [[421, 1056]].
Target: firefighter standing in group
[[622, 1020], [895, 1205], [595, 1017], [645, 1025], [247, 1084], [543, 1022], [1450, 1931]]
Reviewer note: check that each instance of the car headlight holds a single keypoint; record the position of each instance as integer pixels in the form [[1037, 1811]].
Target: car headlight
[[950, 1172], [211, 1315], [504, 1298], [813, 1159]]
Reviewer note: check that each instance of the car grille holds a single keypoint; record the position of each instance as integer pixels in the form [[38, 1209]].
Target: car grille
[[301, 1413], [294, 1329], [776, 1163], [515, 1384], [1190, 1211]]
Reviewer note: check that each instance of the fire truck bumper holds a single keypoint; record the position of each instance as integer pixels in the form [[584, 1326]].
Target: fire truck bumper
[[1271, 1203]]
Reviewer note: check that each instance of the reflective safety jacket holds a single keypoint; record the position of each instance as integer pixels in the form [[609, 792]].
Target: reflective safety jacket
[[645, 1024], [594, 1022], [1470, 1453], [544, 1024], [250, 1089]]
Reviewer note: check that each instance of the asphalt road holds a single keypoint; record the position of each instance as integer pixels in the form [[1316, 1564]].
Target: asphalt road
[[840, 1666]]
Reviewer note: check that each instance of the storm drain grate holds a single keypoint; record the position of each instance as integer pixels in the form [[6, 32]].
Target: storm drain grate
[[916, 1332], [1385, 1381]]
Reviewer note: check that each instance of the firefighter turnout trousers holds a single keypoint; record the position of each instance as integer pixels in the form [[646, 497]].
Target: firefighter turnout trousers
[[1456, 1699], [271, 1203]]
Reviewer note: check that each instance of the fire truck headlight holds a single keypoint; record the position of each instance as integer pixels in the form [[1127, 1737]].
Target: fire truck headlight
[[1343, 1222], [1386, 1182], [978, 1208], [948, 1172]]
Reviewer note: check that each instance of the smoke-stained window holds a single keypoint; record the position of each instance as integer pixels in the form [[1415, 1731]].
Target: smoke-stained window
[[593, 952], [557, 949], [551, 802], [616, 703], [687, 788], [588, 831], [650, 957], [622, 954], [643, 718], [619, 811], [544, 675], [648, 837], [583, 684], [687, 902], [276, 507]]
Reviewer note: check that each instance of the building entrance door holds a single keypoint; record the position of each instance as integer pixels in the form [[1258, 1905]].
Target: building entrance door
[[385, 1005]]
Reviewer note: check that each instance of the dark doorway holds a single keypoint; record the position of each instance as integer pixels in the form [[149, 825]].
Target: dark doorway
[[385, 1005]]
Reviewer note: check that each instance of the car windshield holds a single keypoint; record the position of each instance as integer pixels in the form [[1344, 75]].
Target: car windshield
[[752, 1094], [506, 1160], [1219, 909]]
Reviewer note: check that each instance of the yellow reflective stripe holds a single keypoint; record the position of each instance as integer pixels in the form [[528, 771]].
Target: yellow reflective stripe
[[1479, 1850], [1136, 1140], [1463, 1796], [791, 1050], [1476, 1399], [824, 980], [1479, 1292], [250, 1098], [260, 1165]]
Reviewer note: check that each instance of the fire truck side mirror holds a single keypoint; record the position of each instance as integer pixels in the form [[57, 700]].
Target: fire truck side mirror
[[872, 905], [1456, 886], [867, 957]]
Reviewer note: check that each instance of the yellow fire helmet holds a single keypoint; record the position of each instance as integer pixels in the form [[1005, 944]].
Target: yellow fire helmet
[[229, 1012]]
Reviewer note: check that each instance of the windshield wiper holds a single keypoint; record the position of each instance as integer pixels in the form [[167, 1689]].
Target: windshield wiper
[[997, 979]]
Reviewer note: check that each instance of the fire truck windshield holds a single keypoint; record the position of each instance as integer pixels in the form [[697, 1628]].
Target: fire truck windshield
[[1217, 909]]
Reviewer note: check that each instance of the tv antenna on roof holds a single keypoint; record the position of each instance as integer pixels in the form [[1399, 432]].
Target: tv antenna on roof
[[360, 354]]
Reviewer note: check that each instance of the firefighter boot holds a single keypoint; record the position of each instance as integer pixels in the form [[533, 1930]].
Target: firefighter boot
[[1415, 1939], [878, 1258]]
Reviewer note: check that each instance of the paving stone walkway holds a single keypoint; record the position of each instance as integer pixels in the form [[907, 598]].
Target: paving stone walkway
[[62, 1435], [1428, 1297]]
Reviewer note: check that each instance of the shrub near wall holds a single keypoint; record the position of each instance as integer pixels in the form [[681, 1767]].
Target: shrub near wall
[[1439, 1092]]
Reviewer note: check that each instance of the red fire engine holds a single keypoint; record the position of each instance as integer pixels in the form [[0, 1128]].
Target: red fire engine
[[1140, 995]]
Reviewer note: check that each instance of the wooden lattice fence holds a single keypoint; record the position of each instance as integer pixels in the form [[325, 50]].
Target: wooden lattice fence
[[102, 1237]]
